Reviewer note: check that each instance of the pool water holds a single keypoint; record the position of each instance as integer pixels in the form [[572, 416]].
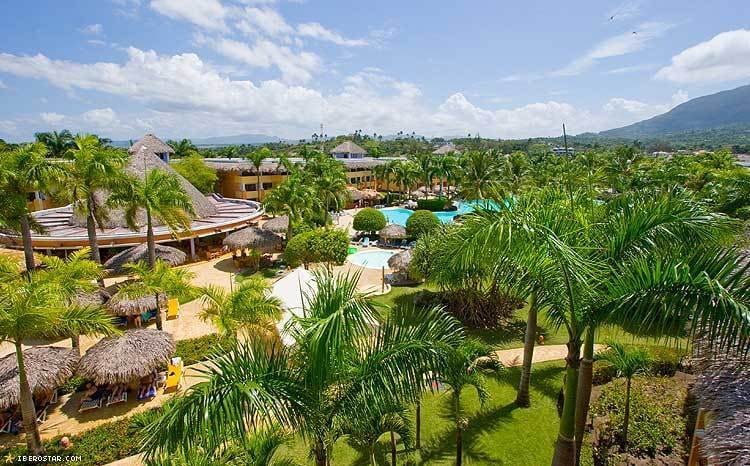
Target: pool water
[[375, 259], [399, 215]]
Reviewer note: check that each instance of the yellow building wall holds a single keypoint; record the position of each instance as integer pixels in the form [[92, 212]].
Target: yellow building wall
[[231, 183]]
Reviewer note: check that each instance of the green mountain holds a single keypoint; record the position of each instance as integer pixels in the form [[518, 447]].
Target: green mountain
[[724, 109]]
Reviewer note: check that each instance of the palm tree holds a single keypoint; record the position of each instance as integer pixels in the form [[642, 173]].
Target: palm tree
[[37, 306], [406, 174], [248, 308], [340, 357], [426, 164], [465, 366], [628, 362], [367, 428], [23, 171], [94, 170], [257, 157], [57, 144], [161, 196], [158, 280], [183, 148], [329, 179], [294, 197], [445, 166], [480, 171]]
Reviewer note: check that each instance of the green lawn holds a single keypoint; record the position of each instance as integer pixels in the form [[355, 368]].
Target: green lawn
[[499, 433]]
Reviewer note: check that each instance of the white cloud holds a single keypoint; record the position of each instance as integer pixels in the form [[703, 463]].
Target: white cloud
[[265, 20], [631, 69], [96, 42], [93, 29], [622, 44], [625, 11], [208, 14], [320, 32], [627, 109], [725, 57], [3, 85], [51, 118]]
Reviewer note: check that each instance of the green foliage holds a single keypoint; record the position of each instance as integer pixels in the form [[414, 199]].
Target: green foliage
[[195, 170], [369, 219], [434, 205], [318, 245], [421, 222], [74, 384], [199, 349]]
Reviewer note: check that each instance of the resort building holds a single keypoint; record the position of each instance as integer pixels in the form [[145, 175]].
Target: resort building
[[446, 149], [348, 150], [215, 215], [563, 150]]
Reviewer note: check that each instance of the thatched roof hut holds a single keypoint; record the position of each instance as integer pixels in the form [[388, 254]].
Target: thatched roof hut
[[392, 231], [123, 306], [277, 224], [47, 368], [128, 357], [400, 261], [348, 147], [91, 298], [168, 254], [152, 144], [253, 238]]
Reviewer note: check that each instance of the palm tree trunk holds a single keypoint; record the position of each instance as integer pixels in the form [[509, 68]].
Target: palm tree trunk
[[159, 324], [150, 240], [321, 458], [565, 449], [372, 455], [419, 424], [393, 448], [28, 250], [626, 416], [583, 398], [522, 398], [75, 342], [259, 186], [459, 436], [91, 230], [28, 411]]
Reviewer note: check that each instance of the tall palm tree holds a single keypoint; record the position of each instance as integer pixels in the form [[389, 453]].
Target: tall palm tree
[[480, 171], [93, 170], [426, 164], [161, 197], [628, 362], [257, 157], [294, 197], [446, 167], [339, 359], [183, 148], [57, 144], [465, 366], [405, 173], [37, 306], [328, 177], [22, 171], [249, 308], [158, 280]]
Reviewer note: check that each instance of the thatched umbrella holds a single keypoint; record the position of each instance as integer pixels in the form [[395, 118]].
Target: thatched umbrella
[[92, 298], [168, 254], [253, 238], [47, 368], [128, 357], [370, 194], [357, 195], [392, 231], [121, 305], [277, 224], [400, 261]]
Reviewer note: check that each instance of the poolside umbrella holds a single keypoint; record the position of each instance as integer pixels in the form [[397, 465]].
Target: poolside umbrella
[[47, 368], [91, 298], [168, 254], [277, 224], [393, 231], [356, 195], [121, 305], [128, 357], [253, 238], [400, 261], [370, 194]]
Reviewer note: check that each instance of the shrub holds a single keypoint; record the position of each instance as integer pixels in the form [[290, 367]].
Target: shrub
[[199, 349], [369, 219], [434, 205], [195, 170], [421, 222], [665, 362], [319, 245]]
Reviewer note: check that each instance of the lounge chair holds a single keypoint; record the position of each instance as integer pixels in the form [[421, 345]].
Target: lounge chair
[[366, 242], [90, 404], [403, 244], [173, 308], [41, 415], [123, 397], [55, 398], [374, 243], [6, 428]]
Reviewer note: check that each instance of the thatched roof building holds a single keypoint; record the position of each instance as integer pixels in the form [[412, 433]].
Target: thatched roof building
[[277, 224], [128, 357], [47, 368], [168, 254], [253, 238], [446, 149], [392, 231], [400, 261], [123, 306], [152, 145], [348, 150]]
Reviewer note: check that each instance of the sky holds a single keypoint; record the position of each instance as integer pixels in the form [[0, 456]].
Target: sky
[[500, 69]]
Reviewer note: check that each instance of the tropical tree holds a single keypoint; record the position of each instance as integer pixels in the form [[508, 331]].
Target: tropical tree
[[445, 167], [465, 367], [426, 164], [295, 198], [249, 308], [93, 170], [57, 144], [366, 428], [37, 306], [405, 174], [480, 171], [328, 177], [340, 357], [159, 280], [194, 169], [23, 171], [257, 157], [183, 148], [628, 362], [161, 197], [514, 170]]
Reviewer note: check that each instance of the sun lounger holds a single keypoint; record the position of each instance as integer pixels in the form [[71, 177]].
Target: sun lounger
[[55, 398], [123, 397], [7, 427], [41, 415], [403, 244], [366, 241], [374, 243], [90, 404]]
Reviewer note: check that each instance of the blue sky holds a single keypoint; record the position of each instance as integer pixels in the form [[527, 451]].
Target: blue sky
[[197, 68]]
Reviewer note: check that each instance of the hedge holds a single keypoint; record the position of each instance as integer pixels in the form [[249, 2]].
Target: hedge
[[369, 219], [664, 362], [319, 245], [434, 205], [199, 349], [421, 222]]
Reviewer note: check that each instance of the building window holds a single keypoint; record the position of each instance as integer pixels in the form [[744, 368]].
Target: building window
[[250, 187], [267, 185], [246, 173], [31, 197]]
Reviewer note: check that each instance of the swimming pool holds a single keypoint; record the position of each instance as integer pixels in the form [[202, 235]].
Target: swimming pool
[[399, 215], [375, 259]]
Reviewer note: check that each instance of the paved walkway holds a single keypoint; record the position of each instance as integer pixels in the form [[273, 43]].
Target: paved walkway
[[542, 353]]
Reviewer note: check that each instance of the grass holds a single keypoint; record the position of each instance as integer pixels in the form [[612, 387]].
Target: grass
[[267, 273], [498, 433]]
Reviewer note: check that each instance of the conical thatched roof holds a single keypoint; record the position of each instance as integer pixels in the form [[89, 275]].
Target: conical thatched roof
[[393, 231], [253, 238], [348, 147], [140, 161], [92, 298], [119, 305], [168, 254], [47, 368], [277, 224], [400, 261], [152, 144], [130, 356]]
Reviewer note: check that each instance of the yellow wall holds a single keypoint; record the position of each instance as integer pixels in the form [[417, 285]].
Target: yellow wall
[[230, 182]]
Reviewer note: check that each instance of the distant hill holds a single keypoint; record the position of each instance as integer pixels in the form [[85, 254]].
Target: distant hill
[[236, 140], [723, 109]]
